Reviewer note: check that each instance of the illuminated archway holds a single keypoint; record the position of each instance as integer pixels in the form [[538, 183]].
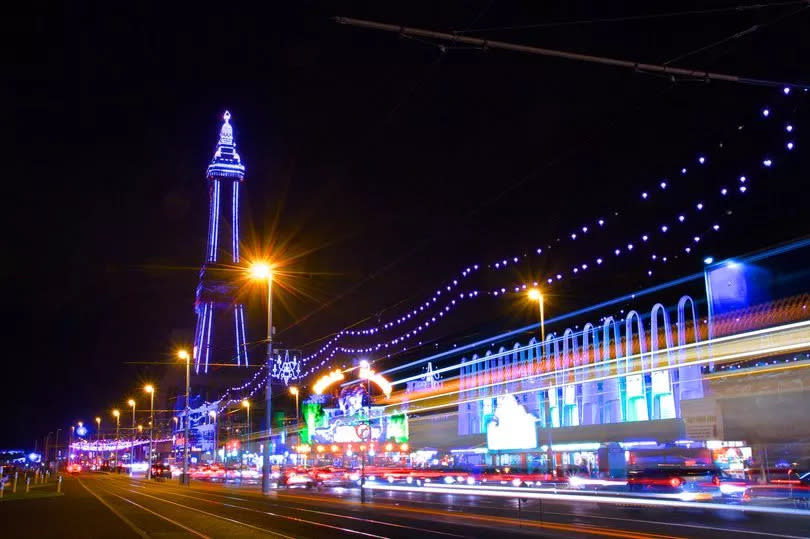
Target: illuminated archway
[[327, 380]]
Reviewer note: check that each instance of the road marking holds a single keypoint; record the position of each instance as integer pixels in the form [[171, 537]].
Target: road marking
[[167, 519], [338, 515], [114, 511], [271, 532], [287, 517]]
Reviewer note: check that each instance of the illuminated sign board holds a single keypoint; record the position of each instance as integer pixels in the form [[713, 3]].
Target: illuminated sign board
[[511, 426]]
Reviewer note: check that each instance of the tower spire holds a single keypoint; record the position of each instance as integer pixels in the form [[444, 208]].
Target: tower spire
[[226, 163]]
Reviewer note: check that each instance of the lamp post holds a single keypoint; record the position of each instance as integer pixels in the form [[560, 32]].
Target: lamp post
[[184, 355], [70, 443], [246, 406], [365, 372], [263, 271], [213, 415], [294, 392], [117, 415], [536, 295], [131, 402], [149, 388], [98, 439]]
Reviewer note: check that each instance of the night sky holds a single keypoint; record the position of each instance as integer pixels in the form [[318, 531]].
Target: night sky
[[377, 167]]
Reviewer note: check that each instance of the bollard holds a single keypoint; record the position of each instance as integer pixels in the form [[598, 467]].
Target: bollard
[[2, 487], [27, 484], [59, 485], [14, 486]]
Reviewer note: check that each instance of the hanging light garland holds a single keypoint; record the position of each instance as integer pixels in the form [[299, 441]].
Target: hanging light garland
[[433, 308]]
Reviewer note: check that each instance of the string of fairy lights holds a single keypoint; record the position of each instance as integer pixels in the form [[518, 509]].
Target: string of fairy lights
[[433, 310], [452, 294]]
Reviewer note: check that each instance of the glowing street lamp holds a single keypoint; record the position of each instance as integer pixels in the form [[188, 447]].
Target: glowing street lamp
[[131, 402], [117, 415], [98, 429], [246, 406], [294, 392], [262, 271], [536, 295], [183, 355], [213, 415], [149, 388]]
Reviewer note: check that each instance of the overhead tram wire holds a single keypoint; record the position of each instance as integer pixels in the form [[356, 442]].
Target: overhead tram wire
[[642, 17], [554, 53], [748, 31]]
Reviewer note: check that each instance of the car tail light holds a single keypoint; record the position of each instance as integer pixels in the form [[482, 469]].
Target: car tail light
[[675, 482], [716, 480]]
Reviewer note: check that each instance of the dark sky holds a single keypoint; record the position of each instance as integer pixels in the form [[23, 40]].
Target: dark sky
[[377, 166]]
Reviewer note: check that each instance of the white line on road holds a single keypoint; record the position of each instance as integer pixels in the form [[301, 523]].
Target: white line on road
[[114, 511]]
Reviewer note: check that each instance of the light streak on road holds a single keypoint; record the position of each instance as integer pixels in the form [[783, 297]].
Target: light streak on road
[[616, 500]]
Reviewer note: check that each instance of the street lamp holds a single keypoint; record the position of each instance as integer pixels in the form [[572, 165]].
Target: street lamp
[[213, 415], [294, 392], [98, 429], [536, 295], [184, 355], [263, 272], [149, 388], [246, 406], [131, 402], [117, 415]]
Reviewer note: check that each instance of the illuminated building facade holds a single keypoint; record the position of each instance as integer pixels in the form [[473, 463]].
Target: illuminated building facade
[[215, 304], [602, 374]]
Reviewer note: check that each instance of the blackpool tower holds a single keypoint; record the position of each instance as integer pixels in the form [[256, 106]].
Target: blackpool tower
[[218, 312]]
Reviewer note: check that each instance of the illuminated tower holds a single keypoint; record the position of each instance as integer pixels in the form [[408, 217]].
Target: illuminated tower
[[218, 312]]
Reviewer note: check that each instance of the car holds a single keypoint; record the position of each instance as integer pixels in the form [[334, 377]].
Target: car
[[332, 476], [74, 468], [161, 471], [688, 483], [779, 495], [297, 477]]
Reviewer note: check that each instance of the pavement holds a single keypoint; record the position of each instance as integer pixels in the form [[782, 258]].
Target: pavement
[[109, 505]]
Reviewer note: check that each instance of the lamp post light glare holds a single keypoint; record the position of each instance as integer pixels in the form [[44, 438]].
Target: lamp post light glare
[[262, 271], [536, 295], [149, 388], [183, 355], [131, 402]]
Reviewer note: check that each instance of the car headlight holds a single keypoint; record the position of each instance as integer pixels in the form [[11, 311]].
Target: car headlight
[[516, 482], [471, 480], [449, 480]]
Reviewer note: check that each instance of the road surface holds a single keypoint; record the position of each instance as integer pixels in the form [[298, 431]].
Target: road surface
[[102, 505]]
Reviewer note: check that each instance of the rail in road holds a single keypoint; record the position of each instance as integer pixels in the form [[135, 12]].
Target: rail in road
[[214, 510]]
